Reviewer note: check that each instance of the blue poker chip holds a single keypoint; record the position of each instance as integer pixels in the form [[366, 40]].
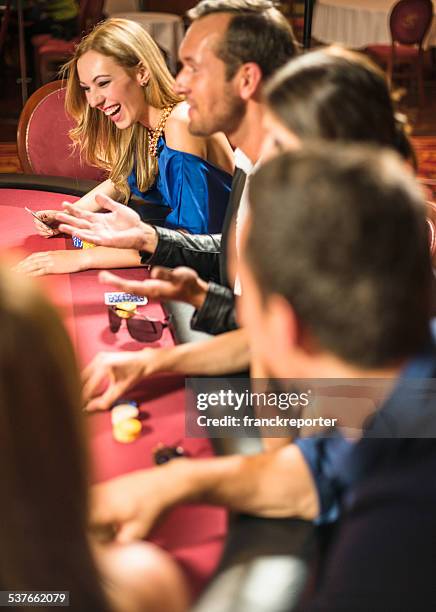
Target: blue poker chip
[[125, 401], [77, 242]]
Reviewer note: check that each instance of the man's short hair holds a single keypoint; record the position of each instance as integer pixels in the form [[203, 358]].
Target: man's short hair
[[257, 32], [340, 232], [324, 94]]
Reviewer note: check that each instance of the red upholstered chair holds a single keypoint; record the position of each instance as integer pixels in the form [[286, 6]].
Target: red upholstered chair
[[429, 189], [429, 186], [431, 222], [50, 53], [432, 236], [409, 23], [44, 146]]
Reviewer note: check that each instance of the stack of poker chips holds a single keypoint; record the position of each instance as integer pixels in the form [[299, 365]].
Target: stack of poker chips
[[81, 244], [126, 427], [125, 310]]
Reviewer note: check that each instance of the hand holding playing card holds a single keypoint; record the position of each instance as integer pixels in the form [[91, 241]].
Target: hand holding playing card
[[45, 222]]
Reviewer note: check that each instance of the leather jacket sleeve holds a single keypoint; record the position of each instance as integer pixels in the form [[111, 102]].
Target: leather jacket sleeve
[[198, 251], [217, 315]]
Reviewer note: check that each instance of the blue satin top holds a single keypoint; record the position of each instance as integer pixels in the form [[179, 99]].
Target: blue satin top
[[196, 191]]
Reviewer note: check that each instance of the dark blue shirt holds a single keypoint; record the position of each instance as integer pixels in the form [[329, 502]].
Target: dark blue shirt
[[383, 557], [335, 463], [195, 190]]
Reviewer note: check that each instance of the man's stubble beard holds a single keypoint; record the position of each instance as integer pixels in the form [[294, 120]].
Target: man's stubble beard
[[227, 121]]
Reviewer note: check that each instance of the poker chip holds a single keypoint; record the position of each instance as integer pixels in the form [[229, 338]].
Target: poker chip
[[127, 431], [87, 245], [123, 412], [126, 427], [81, 244]]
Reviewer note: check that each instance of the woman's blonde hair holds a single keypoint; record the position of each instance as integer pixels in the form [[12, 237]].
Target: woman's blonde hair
[[100, 142]]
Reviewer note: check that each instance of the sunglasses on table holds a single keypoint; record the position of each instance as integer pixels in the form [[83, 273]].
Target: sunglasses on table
[[140, 327]]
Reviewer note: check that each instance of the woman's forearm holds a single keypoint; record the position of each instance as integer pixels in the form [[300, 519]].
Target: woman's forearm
[[88, 201], [101, 258]]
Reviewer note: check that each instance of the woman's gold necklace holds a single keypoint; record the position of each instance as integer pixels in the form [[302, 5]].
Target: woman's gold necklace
[[154, 135]]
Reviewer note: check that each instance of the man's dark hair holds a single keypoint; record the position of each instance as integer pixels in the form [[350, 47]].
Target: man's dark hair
[[336, 94], [340, 232], [257, 33]]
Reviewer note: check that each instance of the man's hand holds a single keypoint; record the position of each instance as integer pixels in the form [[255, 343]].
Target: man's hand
[[275, 484], [132, 503], [54, 262], [121, 228], [121, 370], [181, 284]]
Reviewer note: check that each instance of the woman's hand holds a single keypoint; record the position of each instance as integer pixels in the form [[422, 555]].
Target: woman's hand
[[54, 262], [46, 217]]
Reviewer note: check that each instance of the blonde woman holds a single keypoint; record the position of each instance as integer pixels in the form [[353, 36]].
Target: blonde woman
[[131, 123]]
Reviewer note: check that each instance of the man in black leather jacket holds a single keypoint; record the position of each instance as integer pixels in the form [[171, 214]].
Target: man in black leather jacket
[[234, 41]]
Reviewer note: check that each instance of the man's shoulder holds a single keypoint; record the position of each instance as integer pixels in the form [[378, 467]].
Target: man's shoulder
[[403, 475]]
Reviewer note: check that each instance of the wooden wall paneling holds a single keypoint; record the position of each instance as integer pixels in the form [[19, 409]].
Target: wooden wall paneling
[[179, 7]]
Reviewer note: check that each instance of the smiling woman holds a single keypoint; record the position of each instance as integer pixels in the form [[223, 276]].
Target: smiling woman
[[131, 123]]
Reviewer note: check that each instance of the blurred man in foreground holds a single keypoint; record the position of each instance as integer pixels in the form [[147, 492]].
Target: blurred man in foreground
[[337, 280]]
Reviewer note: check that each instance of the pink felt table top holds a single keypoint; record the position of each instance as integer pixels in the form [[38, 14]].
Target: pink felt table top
[[193, 534]]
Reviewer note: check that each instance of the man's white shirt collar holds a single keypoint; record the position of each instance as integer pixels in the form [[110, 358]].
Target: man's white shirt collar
[[243, 162], [246, 165]]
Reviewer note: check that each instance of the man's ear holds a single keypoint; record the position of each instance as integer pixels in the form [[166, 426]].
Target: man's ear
[[249, 77], [282, 325], [142, 75]]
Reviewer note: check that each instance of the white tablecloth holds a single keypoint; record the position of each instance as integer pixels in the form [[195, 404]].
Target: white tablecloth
[[357, 23], [166, 29]]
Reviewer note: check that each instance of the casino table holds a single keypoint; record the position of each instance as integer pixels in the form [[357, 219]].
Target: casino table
[[193, 534], [258, 565]]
